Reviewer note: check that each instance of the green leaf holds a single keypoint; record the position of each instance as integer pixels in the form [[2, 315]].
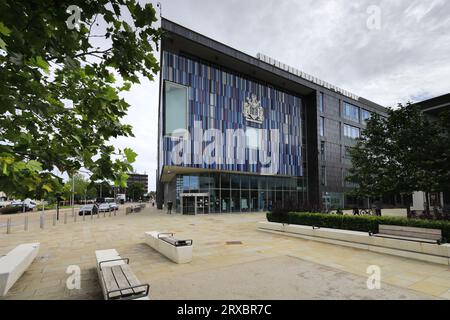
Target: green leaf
[[4, 30], [77, 139], [41, 63], [34, 165], [130, 155], [47, 188], [2, 44], [110, 94]]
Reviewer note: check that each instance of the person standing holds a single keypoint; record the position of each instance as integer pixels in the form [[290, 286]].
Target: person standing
[[169, 207]]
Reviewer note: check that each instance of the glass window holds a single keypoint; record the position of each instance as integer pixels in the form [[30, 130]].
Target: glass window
[[245, 181], [322, 126], [235, 181], [225, 203], [351, 132], [235, 200], [365, 115], [186, 183], [253, 182], [351, 112], [245, 202], [323, 175], [322, 150], [175, 109], [225, 181], [321, 103], [347, 153], [206, 182]]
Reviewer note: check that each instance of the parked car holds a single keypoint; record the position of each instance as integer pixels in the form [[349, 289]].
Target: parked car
[[88, 209], [27, 203], [113, 206], [104, 207]]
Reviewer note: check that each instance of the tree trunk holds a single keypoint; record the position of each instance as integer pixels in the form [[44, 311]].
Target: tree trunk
[[427, 207]]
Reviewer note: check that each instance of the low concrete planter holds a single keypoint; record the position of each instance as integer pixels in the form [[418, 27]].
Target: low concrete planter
[[409, 249]]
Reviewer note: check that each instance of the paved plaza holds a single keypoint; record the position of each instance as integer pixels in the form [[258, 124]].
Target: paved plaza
[[231, 260]]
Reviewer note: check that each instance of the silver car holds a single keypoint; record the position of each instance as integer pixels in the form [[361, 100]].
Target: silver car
[[104, 207]]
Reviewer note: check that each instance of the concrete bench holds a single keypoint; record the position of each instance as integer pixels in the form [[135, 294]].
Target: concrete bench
[[177, 250], [14, 264], [117, 280], [424, 235]]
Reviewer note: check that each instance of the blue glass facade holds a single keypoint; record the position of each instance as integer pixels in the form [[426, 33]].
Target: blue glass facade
[[216, 99]]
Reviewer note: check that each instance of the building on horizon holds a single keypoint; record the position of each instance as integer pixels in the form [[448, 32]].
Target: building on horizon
[[239, 133], [138, 178]]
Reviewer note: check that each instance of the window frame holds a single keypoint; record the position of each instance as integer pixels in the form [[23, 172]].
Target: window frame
[[349, 117]]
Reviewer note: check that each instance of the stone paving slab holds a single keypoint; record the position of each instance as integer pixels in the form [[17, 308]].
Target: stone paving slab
[[281, 277], [75, 243]]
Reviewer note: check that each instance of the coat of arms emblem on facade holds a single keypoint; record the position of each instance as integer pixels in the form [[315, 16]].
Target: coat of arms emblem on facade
[[253, 111]]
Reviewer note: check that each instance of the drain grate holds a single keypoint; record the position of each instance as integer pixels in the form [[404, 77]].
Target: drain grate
[[233, 242]]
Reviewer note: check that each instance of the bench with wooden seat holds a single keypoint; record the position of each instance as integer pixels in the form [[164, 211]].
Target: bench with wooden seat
[[14, 264], [117, 280], [177, 250], [424, 235]]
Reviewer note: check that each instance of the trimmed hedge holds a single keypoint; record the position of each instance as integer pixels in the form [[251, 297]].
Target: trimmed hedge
[[11, 209], [356, 223]]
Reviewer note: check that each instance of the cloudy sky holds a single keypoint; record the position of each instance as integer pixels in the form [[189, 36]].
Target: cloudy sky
[[403, 56]]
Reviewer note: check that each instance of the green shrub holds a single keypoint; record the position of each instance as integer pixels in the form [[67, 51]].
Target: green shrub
[[11, 209], [356, 223]]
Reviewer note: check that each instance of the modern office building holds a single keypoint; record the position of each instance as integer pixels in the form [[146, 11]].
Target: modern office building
[[240, 133], [138, 178]]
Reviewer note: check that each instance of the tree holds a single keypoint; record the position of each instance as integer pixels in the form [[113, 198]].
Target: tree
[[135, 191], [399, 154], [81, 187], [60, 85]]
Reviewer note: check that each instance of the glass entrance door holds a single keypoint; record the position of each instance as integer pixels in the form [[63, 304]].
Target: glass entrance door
[[188, 205], [195, 203]]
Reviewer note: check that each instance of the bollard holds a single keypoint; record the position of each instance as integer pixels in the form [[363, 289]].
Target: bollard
[[54, 219], [92, 214], [25, 224], [104, 214], [65, 217], [84, 216], [8, 226], [110, 213], [41, 221]]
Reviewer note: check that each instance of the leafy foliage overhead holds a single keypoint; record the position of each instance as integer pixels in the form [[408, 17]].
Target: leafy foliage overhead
[[60, 85]]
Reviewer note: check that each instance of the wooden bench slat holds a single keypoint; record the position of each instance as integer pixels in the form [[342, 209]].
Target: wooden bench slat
[[410, 233], [122, 281], [110, 282], [411, 229], [132, 279], [382, 235]]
